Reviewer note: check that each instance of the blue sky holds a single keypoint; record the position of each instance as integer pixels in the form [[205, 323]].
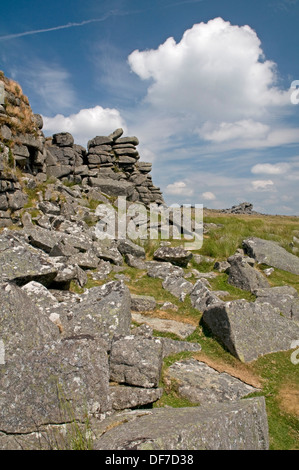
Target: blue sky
[[204, 84]]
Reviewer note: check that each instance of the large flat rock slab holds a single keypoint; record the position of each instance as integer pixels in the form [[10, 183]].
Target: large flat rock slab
[[136, 360], [62, 381], [174, 255], [123, 397], [238, 425], [22, 263], [245, 276], [23, 325], [168, 326], [285, 298], [250, 329], [201, 297], [272, 254], [162, 270], [101, 312], [202, 384], [177, 286]]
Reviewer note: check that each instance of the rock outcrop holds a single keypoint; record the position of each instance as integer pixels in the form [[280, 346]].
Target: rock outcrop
[[97, 355], [110, 164], [272, 254], [240, 425], [202, 384], [250, 329]]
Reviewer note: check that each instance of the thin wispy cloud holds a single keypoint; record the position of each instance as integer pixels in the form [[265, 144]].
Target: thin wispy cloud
[[182, 2], [110, 13], [65, 26]]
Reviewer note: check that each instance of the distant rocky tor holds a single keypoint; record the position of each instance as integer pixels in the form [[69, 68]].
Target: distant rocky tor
[[97, 356]]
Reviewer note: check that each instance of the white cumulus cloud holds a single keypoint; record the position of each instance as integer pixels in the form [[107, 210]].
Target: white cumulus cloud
[[244, 129], [270, 169], [208, 196], [86, 124], [179, 188], [217, 70], [262, 185]]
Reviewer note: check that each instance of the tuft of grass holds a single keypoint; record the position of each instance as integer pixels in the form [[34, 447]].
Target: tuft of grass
[[282, 278], [170, 396], [279, 375], [222, 242]]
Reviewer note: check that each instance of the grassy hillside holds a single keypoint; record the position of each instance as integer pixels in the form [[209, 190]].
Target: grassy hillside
[[275, 374]]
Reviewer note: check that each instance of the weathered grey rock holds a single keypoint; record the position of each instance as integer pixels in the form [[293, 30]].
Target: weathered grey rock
[[201, 297], [62, 248], [102, 312], [22, 263], [21, 151], [222, 266], [198, 275], [48, 207], [126, 246], [99, 140], [43, 222], [134, 262], [5, 132], [3, 202], [124, 397], [142, 303], [63, 139], [95, 195], [108, 251], [38, 120], [63, 381], [113, 187], [41, 297], [31, 140], [26, 219], [87, 260], [172, 346], [182, 330], [58, 243], [136, 360], [202, 384], [65, 273], [81, 277], [116, 134], [142, 330], [104, 268], [127, 140], [175, 255], [16, 200], [243, 208], [163, 270], [43, 239], [285, 298], [23, 325], [272, 254], [250, 329], [168, 306], [95, 159], [239, 425], [177, 286], [244, 276], [130, 152], [58, 171]]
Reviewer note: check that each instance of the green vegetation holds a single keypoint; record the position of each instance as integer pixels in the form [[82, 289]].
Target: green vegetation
[[274, 374], [223, 241]]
